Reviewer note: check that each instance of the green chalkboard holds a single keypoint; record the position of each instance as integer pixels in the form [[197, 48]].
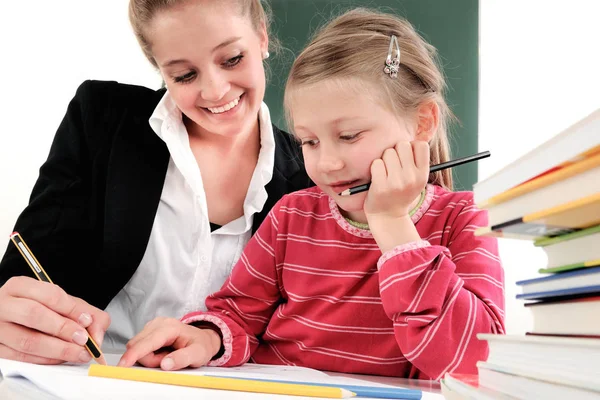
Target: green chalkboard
[[451, 26]]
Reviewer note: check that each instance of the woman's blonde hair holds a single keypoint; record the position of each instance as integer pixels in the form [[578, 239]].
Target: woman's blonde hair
[[355, 46], [141, 13]]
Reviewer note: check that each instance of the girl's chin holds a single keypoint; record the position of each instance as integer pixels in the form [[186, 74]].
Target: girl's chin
[[352, 212], [345, 210], [352, 203]]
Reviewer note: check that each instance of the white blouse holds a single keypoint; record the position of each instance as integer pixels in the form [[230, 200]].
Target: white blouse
[[184, 262]]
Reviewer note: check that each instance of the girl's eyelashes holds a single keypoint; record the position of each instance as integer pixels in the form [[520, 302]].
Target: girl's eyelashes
[[350, 137], [309, 142], [345, 138], [185, 78]]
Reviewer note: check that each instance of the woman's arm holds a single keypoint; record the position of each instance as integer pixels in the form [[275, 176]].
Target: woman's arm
[[56, 223], [41, 322]]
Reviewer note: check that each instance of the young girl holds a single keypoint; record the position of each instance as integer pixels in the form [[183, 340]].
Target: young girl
[[391, 281]]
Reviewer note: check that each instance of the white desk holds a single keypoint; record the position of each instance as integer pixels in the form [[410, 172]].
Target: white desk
[[22, 389]]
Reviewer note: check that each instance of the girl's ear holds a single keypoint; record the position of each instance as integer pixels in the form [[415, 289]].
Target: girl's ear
[[427, 121]]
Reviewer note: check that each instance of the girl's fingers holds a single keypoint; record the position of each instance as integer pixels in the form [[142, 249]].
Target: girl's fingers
[[149, 328], [378, 173], [195, 355], [420, 150], [139, 337], [157, 339], [405, 154], [153, 359], [392, 165]]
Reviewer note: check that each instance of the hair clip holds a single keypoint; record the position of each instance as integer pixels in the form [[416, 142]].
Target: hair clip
[[392, 64]]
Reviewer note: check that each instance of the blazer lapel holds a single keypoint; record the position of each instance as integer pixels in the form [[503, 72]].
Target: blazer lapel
[[135, 179], [288, 174]]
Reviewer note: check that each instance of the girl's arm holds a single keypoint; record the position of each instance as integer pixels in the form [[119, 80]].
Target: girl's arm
[[439, 298], [242, 308]]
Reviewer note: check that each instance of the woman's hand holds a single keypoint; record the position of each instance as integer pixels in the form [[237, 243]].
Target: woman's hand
[[41, 324], [194, 347], [397, 178]]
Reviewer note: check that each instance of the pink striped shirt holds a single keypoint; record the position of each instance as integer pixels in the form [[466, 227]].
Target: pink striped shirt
[[312, 290]]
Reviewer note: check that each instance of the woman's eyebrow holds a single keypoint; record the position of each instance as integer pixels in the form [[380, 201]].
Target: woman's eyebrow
[[220, 46], [226, 43]]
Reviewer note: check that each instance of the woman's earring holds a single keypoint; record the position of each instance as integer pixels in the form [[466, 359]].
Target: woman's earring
[[266, 55]]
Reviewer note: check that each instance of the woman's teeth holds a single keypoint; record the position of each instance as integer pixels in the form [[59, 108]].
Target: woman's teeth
[[224, 108]]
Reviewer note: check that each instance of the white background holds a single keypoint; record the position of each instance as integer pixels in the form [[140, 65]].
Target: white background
[[539, 73]]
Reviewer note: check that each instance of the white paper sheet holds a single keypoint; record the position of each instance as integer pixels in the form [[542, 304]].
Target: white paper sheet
[[70, 381]]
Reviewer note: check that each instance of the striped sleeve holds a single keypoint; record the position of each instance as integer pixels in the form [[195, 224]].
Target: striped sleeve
[[242, 308], [439, 298]]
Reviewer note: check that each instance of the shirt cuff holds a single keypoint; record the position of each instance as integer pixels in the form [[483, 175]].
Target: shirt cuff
[[401, 249], [227, 337]]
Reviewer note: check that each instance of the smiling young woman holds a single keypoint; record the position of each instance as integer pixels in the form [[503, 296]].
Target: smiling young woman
[[158, 191]]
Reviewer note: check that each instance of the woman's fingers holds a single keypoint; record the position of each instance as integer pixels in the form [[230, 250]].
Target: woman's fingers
[[38, 317], [34, 343], [46, 307], [12, 354], [100, 320], [50, 295]]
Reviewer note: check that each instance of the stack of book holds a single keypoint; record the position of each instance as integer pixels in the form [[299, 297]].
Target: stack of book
[[551, 197]]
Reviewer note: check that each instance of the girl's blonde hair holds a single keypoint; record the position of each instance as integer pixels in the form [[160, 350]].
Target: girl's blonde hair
[[355, 46], [141, 13]]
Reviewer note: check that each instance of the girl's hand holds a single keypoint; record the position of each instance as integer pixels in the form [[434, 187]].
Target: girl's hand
[[194, 347], [397, 178]]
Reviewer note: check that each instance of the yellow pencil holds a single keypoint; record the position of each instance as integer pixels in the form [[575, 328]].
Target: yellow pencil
[[210, 382], [39, 272]]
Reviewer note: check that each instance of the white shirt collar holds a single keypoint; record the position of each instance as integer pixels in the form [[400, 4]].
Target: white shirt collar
[[167, 123]]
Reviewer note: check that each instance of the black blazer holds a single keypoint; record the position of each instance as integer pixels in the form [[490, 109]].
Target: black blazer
[[92, 208]]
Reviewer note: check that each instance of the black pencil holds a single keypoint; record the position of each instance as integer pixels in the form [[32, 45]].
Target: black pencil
[[39, 272], [433, 168]]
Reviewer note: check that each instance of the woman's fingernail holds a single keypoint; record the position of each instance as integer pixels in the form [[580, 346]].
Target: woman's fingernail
[[167, 363], [84, 356], [80, 337], [121, 363], [85, 320]]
